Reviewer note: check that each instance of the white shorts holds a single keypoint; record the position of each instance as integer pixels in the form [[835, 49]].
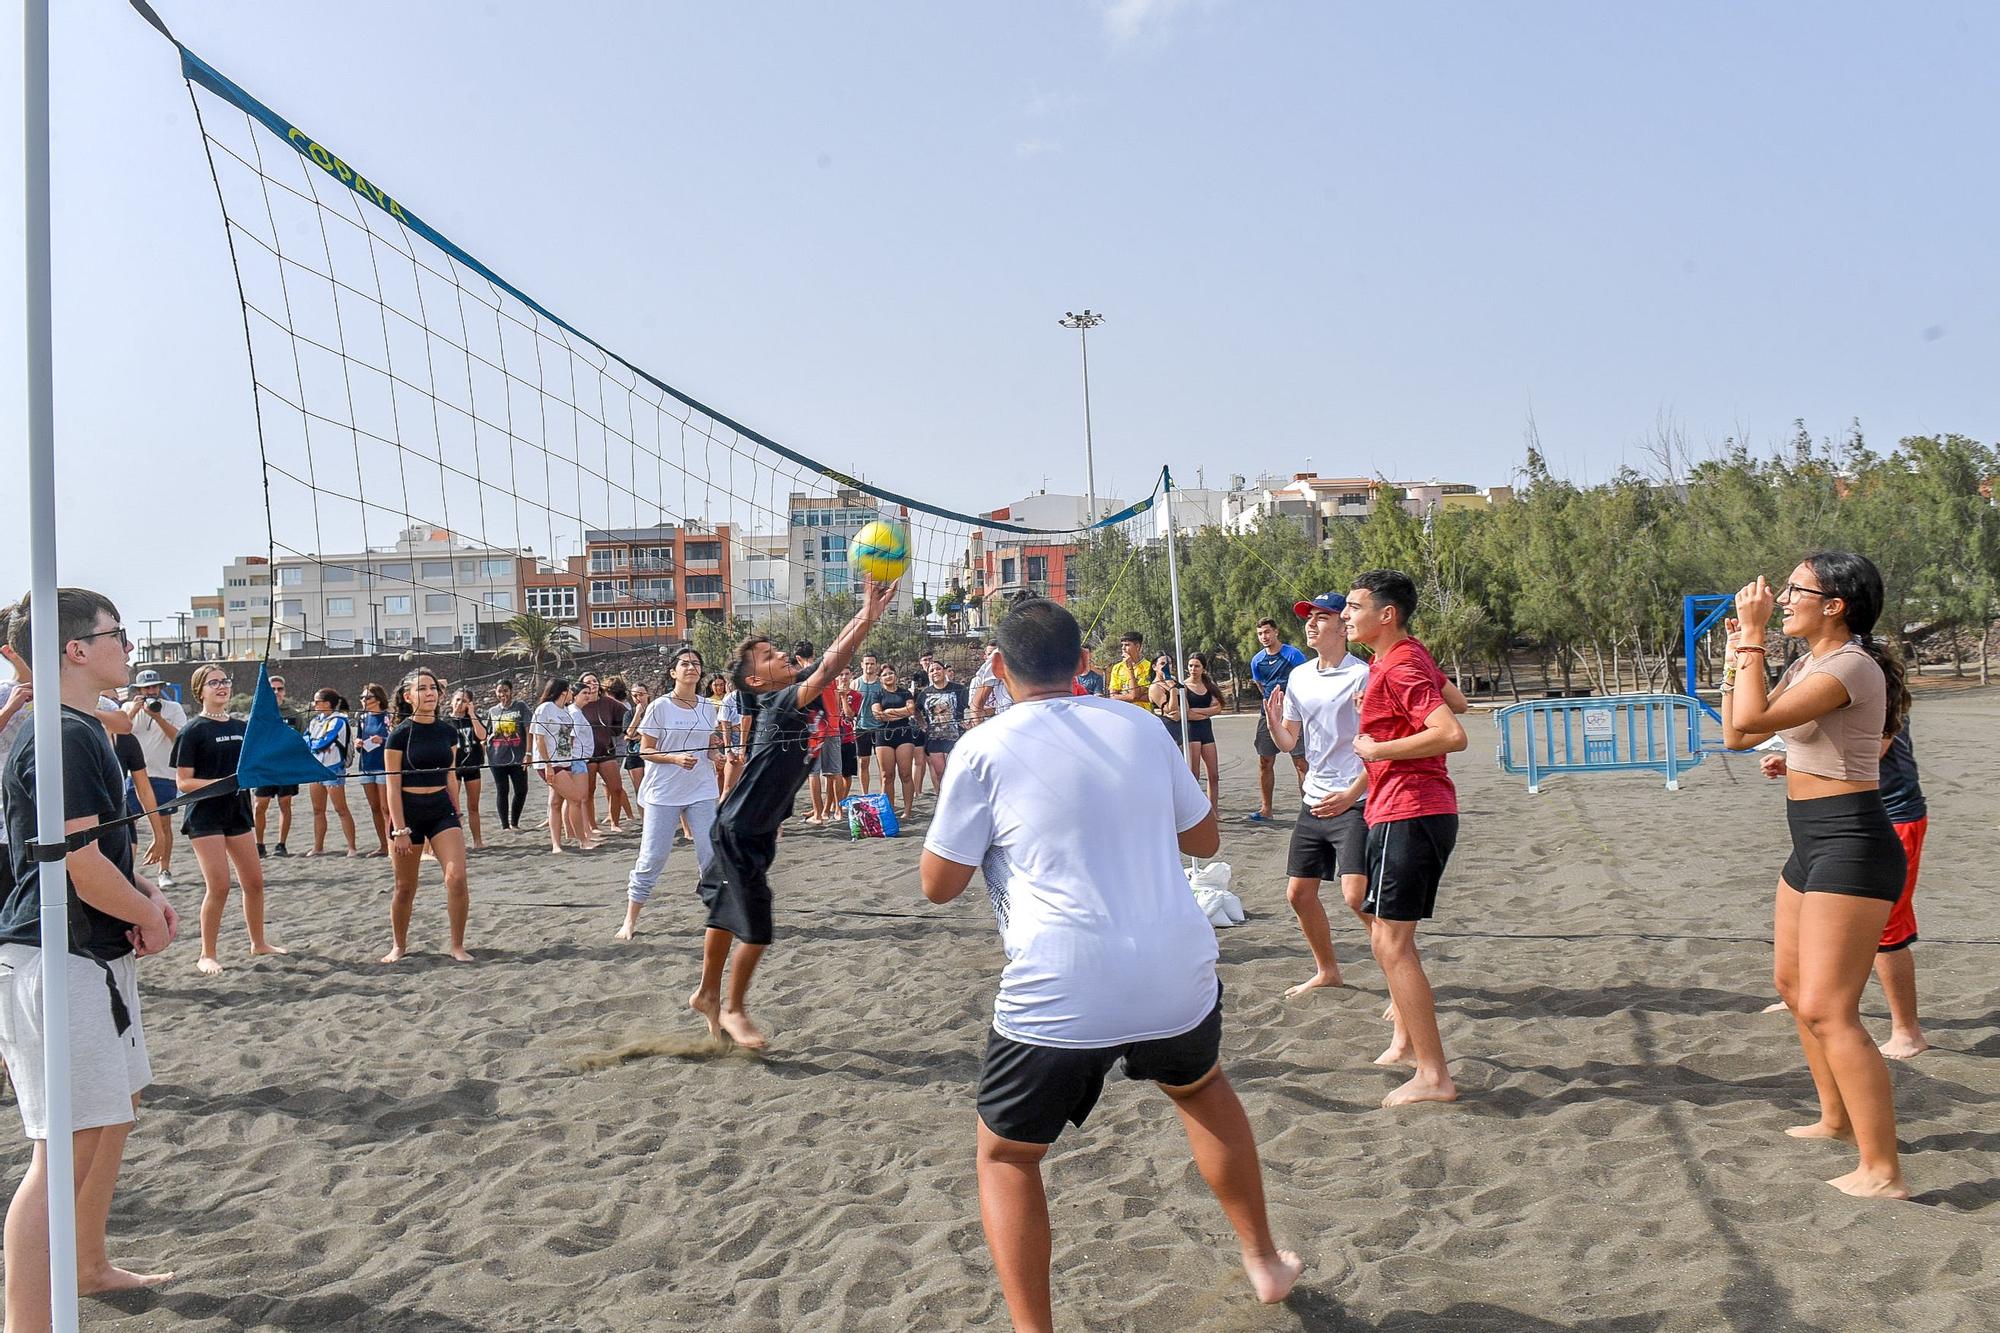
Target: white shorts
[[106, 1069]]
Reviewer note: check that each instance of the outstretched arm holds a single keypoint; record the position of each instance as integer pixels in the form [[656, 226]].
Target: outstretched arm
[[875, 599]]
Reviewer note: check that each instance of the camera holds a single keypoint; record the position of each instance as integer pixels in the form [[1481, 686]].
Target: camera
[[152, 705]]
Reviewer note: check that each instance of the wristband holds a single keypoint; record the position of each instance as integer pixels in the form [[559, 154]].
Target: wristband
[[1751, 648]]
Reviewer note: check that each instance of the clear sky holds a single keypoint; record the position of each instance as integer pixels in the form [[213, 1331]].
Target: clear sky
[[1375, 236]]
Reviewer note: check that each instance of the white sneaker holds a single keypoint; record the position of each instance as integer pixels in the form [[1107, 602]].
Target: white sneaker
[[164, 879]]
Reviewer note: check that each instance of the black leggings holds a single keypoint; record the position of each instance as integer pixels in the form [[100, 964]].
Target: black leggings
[[509, 778]]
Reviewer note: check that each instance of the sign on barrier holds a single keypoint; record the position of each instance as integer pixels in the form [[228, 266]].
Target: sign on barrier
[[1622, 733]]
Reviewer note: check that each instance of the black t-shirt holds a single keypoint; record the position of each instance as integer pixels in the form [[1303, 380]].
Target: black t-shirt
[[93, 786], [471, 750], [210, 746], [131, 755], [426, 749], [888, 699], [780, 753]]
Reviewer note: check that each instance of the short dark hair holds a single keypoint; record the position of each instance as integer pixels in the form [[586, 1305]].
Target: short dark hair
[[739, 671], [1392, 586], [506, 681], [1131, 636], [1267, 621], [690, 650], [803, 648], [77, 610], [1040, 642]]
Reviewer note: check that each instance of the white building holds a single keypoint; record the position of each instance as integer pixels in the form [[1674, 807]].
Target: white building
[[429, 590], [245, 622]]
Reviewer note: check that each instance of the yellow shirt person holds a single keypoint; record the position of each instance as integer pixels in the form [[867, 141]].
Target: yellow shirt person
[[1130, 679]]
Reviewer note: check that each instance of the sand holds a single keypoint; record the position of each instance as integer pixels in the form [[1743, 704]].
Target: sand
[[335, 1144]]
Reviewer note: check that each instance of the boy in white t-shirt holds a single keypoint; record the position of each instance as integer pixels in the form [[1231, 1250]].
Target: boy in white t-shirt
[[1109, 959], [1315, 714]]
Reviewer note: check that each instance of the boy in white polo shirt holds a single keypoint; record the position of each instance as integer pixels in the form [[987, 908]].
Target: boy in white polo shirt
[[1316, 712], [1109, 960]]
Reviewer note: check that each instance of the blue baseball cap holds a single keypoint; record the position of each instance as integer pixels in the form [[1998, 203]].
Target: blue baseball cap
[[1331, 602]]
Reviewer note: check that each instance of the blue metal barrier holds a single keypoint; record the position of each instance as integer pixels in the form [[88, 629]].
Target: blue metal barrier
[[1658, 733]]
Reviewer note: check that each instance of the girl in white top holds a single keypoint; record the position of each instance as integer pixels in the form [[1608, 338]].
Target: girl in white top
[[676, 738], [552, 738]]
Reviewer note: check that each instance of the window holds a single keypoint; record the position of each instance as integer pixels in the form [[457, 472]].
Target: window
[[207, 612], [1007, 568], [499, 601], [603, 619], [437, 601], [238, 604], [236, 583], [609, 590], [706, 587], [496, 569], [291, 641], [663, 616], [399, 604], [653, 590], [704, 552], [625, 618], [292, 575], [394, 573], [1353, 498], [440, 636], [340, 638], [554, 603], [467, 568], [798, 518], [653, 559], [763, 590], [832, 548], [340, 606], [836, 582], [335, 574], [290, 610], [1038, 569], [262, 601], [436, 569], [398, 637], [606, 558]]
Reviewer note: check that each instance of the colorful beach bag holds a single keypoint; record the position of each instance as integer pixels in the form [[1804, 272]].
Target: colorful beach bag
[[871, 816]]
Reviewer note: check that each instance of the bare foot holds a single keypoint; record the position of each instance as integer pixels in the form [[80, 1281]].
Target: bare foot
[[111, 1278], [478, 846], [624, 933], [458, 951], [1863, 1184], [1778, 1008], [710, 1008], [268, 948], [736, 1022], [394, 955], [315, 852], [1397, 1054], [1903, 1048], [1423, 1089], [555, 851], [1315, 982], [1820, 1129], [1389, 1012], [1272, 1275], [208, 965]]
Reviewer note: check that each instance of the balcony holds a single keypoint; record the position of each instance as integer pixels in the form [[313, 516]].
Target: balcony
[[636, 564]]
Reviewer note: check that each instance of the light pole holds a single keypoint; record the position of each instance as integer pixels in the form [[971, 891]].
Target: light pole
[[1083, 322]]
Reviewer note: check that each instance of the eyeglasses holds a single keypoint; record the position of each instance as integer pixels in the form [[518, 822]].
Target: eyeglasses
[[119, 630], [1792, 589], [214, 681]]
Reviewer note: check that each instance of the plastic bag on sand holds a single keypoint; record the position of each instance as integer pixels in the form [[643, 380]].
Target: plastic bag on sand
[[871, 816], [1211, 892]]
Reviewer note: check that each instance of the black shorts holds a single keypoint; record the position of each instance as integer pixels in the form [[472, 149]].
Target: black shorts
[[427, 814], [264, 792], [1328, 848], [218, 817], [1406, 860], [1027, 1092], [864, 741], [935, 745], [850, 759], [634, 762], [471, 772], [735, 886], [1267, 748], [1845, 844], [890, 737]]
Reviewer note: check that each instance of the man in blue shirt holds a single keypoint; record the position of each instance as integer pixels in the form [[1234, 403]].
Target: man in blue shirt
[[1274, 661]]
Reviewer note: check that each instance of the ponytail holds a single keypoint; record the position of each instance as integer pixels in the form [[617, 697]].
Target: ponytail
[[1893, 678]]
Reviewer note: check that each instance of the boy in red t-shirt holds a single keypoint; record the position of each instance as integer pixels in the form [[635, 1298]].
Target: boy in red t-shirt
[[1407, 728]]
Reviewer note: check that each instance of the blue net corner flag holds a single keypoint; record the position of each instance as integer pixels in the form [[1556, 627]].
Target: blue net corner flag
[[273, 754]]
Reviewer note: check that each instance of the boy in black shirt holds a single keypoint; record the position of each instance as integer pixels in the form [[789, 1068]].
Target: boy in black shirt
[[115, 917], [734, 885]]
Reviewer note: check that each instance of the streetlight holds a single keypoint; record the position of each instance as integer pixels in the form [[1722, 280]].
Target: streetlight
[[1083, 322]]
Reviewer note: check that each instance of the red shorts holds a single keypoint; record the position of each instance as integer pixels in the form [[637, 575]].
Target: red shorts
[[1901, 932]]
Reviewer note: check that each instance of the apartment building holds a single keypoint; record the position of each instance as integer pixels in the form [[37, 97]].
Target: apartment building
[[431, 589], [647, 585]]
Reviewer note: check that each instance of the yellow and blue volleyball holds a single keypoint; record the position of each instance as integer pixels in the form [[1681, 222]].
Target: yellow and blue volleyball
[[881, 551]]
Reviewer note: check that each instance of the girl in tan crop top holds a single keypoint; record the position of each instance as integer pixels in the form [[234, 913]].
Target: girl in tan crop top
[[1833, 707]]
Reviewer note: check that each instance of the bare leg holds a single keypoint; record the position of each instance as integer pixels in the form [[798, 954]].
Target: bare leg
[[1299, 771], [1267, 768], [558, 817], [1226, 1152], [450, 847], [260, 816], [1832, 1122], [402, 902], [319, 821], [735, 1018], [707, 997], [377, 811], [95, 1273], [1303, 895], [284, 820], [469, 802], [250, 875], [1395, 945], [1014, 1211], [1897, 971], [212, 855], [1837, 935], [338, 795]]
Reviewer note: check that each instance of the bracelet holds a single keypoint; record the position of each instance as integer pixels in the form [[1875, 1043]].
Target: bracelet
[[1750, 648]]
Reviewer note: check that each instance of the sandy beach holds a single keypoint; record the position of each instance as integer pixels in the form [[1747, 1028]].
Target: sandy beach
[[330, 1143]]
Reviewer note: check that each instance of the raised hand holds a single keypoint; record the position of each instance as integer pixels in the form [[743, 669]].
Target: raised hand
[[1753, 610]]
